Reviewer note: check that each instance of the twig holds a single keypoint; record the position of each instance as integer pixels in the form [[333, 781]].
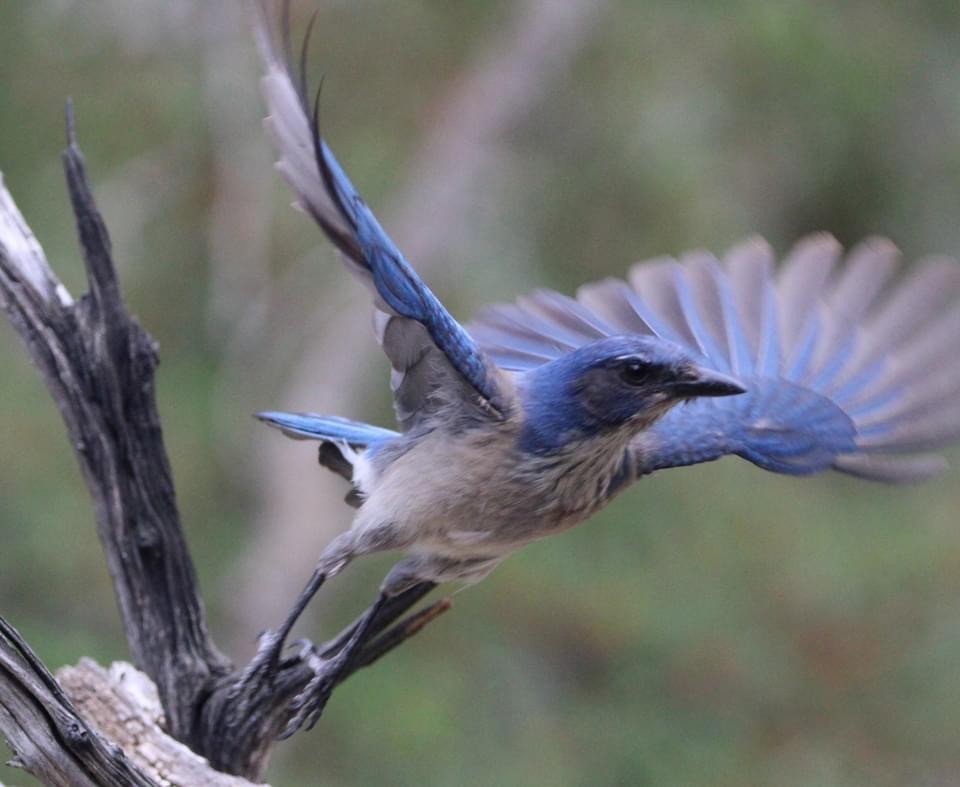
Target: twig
[[409, 626], [387, 614]]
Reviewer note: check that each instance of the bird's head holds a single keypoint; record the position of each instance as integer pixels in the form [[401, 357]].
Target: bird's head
[[618, 384]]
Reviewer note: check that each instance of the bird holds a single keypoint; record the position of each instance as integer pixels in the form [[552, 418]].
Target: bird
[[534, 416]]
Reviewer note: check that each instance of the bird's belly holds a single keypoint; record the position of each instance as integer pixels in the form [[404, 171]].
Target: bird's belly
[[453, 509], [460, 499]]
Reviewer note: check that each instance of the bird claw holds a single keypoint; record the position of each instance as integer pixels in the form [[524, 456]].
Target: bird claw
[[308, 654], [309, 704], [305, 648], [270, 647]]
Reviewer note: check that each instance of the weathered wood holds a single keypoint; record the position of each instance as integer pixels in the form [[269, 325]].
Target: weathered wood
[[99, 366], [125, 706], [50, 738]]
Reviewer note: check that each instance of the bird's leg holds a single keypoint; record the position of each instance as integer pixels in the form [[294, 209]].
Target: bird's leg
[[309, 704], [271, 642], [408, 581], [337, 554], [398, 604], [402, 588]]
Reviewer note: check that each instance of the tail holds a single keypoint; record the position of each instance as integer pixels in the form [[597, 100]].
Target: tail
[[326, 428], [341, 440]]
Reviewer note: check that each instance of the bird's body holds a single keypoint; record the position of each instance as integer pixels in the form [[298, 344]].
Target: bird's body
[[468, 486], [531, 419], [528, 421], [443, 482]]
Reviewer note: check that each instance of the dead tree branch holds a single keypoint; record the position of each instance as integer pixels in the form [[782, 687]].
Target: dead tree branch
[[99, 364], [51, 740]]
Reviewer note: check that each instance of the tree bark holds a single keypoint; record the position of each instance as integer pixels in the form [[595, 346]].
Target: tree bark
[[99, 364], [51, 739]]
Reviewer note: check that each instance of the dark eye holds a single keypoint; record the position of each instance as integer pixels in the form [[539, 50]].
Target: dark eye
[[635, 372]]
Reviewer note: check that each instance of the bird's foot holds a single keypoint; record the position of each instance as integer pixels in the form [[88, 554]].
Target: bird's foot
[[270, 644], [308, 705]]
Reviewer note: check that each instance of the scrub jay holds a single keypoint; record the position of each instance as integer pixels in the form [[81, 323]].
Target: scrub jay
[[535, 416]]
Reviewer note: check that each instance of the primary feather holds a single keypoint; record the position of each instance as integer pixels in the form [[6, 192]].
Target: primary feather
[[430, 351]]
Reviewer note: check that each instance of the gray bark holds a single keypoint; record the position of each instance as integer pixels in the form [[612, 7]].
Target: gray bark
[[98, 364], [50, 738]]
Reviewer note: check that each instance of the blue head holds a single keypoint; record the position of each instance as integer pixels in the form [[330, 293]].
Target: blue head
[[621, 384]]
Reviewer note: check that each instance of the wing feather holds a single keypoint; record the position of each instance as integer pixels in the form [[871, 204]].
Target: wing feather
[[749, 269], [700, 302], [844, 369], [800, 287], [418, 334], [659, 304], [615, 302]]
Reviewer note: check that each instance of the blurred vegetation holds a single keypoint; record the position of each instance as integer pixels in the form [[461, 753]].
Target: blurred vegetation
[[714, 626]]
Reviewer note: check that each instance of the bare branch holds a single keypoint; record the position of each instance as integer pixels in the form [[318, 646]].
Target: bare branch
[[400, 633], [50, 739], [124, 704], [22, 253], [99, 365]]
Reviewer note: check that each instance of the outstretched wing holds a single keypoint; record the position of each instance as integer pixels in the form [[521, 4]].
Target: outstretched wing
[[429, 350], [843, 371]]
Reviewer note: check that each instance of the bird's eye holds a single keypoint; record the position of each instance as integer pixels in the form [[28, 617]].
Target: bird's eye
[[635, 372]]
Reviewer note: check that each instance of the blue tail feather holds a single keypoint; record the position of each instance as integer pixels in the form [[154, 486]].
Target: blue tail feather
[[309, 426]]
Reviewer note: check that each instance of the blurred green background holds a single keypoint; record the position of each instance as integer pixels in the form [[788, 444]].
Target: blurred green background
[[714, 626]]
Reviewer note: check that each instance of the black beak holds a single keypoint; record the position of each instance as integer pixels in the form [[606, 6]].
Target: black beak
[[698, 381]]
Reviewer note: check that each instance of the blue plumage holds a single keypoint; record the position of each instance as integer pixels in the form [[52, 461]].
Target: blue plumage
[[395, 282], [838, 374], [330, 428], [535, 417], [583, 393], [777, 425]]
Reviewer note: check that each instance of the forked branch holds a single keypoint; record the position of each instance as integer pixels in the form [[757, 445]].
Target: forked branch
[[99, 364]]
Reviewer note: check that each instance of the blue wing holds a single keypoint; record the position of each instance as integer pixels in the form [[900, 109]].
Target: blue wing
[[843, 371], [428, 348]]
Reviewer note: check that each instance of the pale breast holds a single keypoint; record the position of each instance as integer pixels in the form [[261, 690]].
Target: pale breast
[[476, 493], [443, 483]]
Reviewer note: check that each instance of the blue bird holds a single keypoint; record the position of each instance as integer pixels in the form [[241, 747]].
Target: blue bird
[[538, 414]]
